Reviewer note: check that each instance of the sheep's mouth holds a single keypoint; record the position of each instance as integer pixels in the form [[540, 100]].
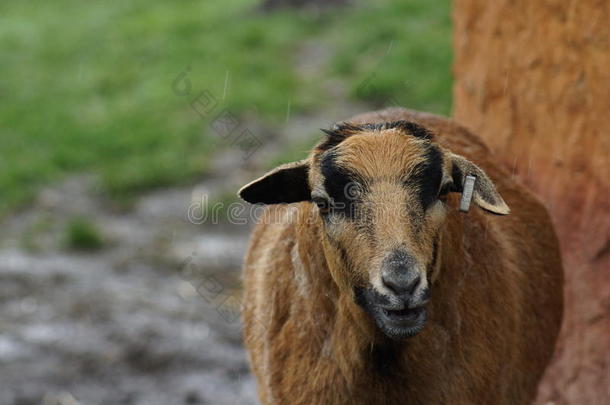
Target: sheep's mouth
[[402, 315], [399, 323], [402, 323]]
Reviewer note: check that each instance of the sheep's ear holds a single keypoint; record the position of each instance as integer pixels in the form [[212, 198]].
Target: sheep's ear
[[284, 184], [484, 194]]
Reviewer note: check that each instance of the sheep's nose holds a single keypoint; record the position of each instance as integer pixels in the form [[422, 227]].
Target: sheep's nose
[[399, 273], [400, 283]]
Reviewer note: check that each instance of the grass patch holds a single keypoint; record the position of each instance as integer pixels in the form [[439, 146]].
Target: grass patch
[[402, 57], [93, 87], [83, 235]]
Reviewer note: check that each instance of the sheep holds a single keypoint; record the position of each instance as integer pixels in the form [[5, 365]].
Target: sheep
[[364, 284]]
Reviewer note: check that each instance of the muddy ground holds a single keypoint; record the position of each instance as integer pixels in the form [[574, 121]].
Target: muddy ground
[[128, 324]]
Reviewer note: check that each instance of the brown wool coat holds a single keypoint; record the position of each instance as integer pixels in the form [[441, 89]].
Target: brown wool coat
[[493, 318]]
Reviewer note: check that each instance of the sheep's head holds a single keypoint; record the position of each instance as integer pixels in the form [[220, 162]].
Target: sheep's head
[[381, 191]]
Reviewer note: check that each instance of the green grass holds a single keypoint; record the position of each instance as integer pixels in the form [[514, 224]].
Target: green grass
[[83, 235], [88, 86], [397, 53]]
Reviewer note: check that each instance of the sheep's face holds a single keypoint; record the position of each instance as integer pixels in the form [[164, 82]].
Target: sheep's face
[[381, 193]]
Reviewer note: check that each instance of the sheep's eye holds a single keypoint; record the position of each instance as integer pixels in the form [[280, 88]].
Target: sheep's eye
[[322, 203]]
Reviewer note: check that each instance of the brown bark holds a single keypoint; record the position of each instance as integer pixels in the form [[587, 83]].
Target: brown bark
[[533, 79]]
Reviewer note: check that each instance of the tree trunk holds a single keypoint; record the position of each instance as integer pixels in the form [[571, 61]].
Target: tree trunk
[[533, 79]]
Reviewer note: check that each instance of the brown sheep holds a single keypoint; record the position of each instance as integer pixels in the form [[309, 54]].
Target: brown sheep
[[375, 289]]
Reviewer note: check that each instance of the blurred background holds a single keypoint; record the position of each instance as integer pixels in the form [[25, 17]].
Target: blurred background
[[126, 129], [117, 117]]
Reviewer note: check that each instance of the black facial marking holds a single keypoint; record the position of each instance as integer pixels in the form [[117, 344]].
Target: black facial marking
[[364, 296], [340, 185], [341, 132], [428, 176], [336, 135], [412, 128]]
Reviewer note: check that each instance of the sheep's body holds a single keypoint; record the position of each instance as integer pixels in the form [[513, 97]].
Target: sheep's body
[[493, 319]]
